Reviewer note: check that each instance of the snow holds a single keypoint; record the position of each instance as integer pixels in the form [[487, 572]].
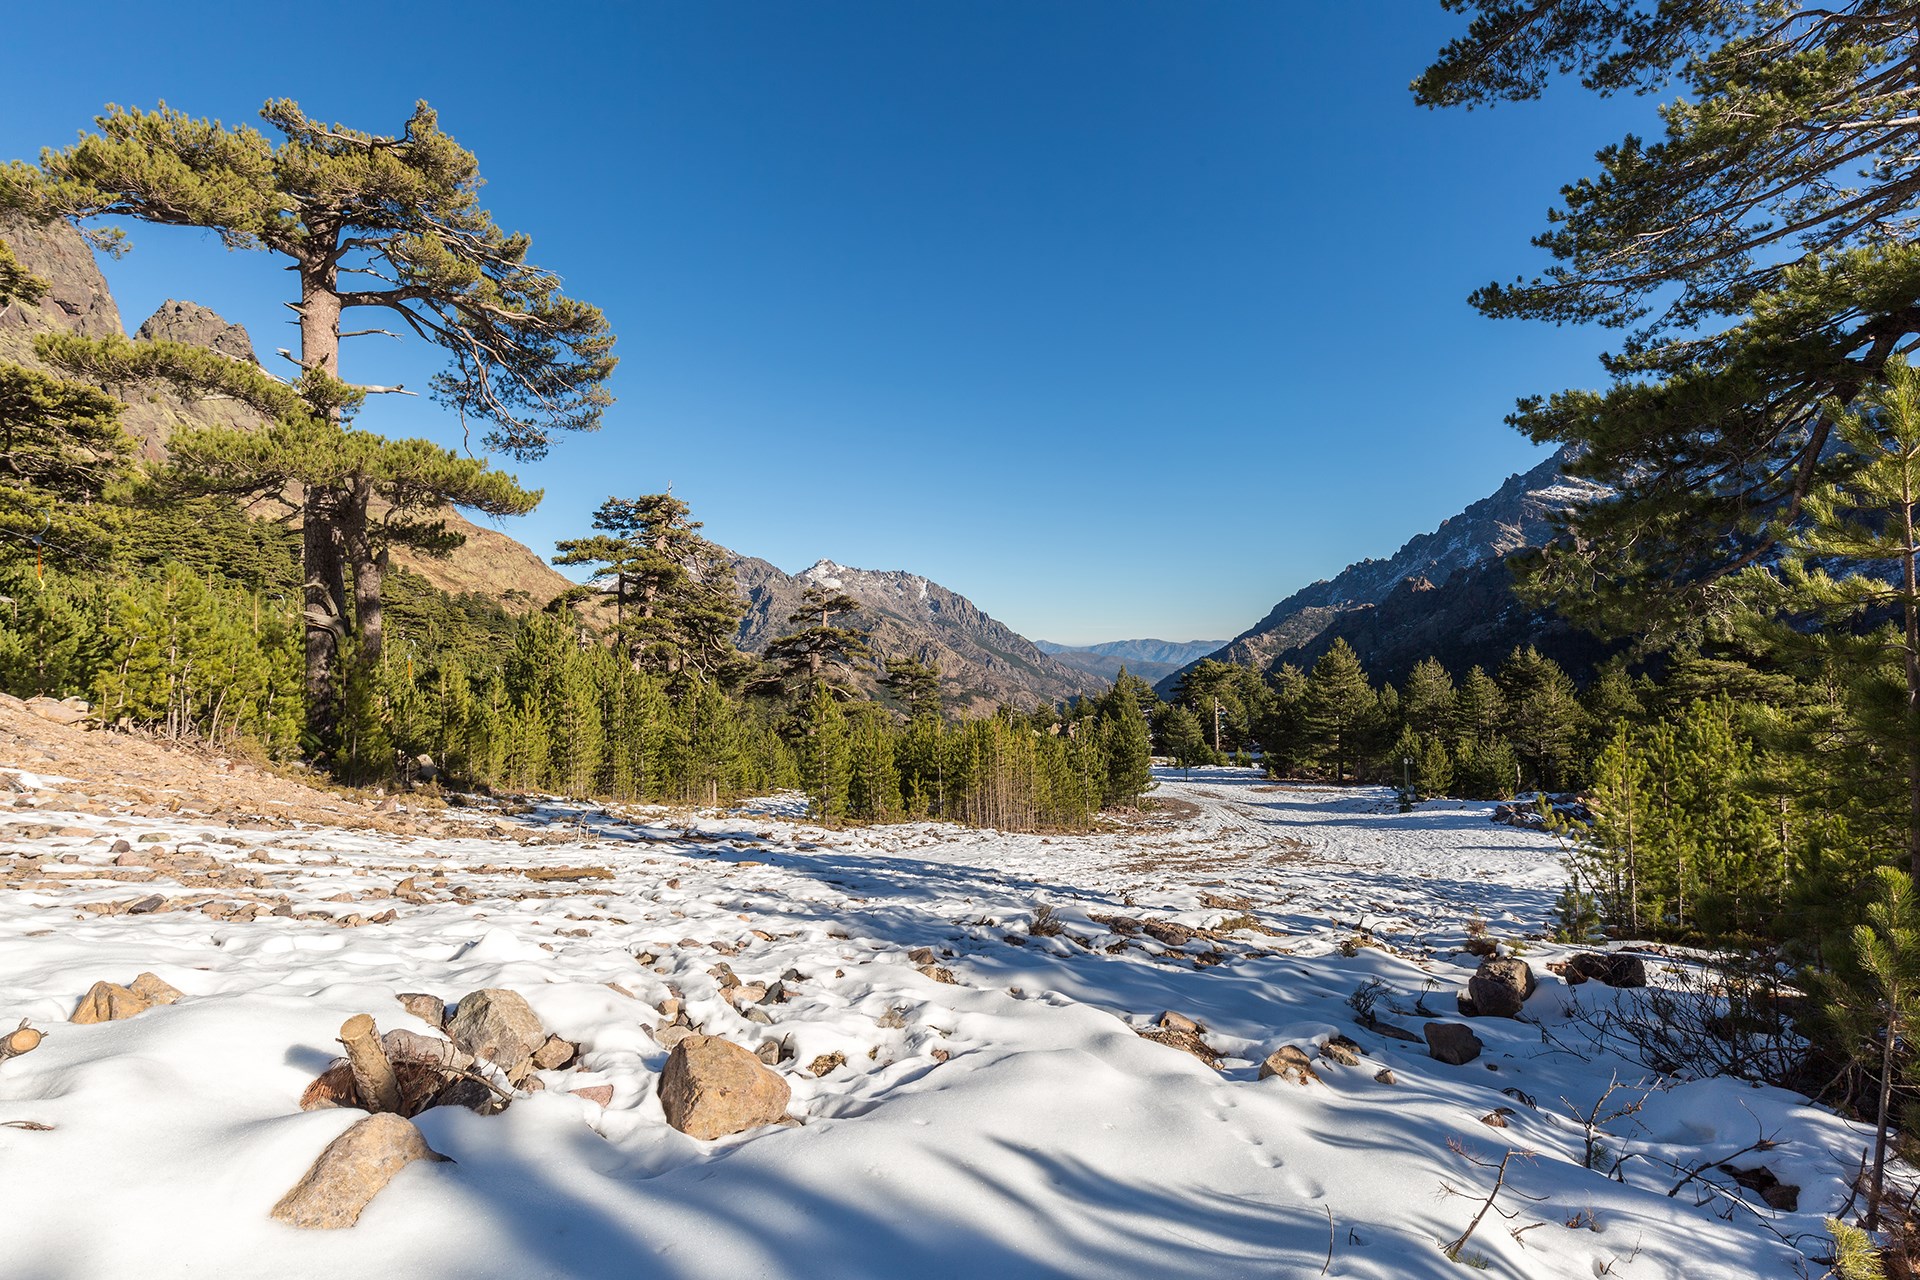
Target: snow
[[1052, 1141]]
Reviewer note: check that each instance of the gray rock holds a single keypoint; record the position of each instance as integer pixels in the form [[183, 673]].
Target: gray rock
[[431, 1010], [355, 1167], [498, 1025], [197, 326], [1452, 1042]]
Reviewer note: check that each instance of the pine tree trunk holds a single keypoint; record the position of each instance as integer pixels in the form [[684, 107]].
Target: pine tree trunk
[[369, 570], [325, 593], [1912, 605]]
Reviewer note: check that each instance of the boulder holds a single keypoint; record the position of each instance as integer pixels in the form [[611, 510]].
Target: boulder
[[1452, 1042], [71, 711], [498, 1025], [109, 1002], [555, 1053], [1499, 988], [712, 1087], [353, 1169], [1290, 1062], [1613, 969], [155, 990]]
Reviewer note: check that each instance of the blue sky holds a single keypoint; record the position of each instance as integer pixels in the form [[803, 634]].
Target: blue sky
[[1122, 319]]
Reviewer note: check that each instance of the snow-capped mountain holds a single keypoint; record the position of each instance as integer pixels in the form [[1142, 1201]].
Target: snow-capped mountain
[[982, 661]]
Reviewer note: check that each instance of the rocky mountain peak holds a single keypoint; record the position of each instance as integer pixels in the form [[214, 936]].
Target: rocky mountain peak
[[197, 326]]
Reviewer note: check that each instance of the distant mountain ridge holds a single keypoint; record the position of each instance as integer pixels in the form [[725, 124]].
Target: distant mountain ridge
[[982, 662], [1448, 590], [1151, 660]]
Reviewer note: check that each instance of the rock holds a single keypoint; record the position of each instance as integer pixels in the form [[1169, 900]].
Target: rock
[[498, 1025], [197, 326], [1385, 1076], [130, 859], [555, 1053], [1290, 1062], [353, 1169], [57, 711], [431, 1010], [1452, 1042], [746, 993], [670, 1036], [109, 1002], [1341, 1050], [922, 956], [827, 1063], [939, 973], [154, 990], [711, 1088], [1171, 1021], [1613, 969], [147, 905], [1499, 988], [402, 1045], [754, 1013], [1167, 933], [1496, 1118], [120, 846], [1481, 946], [596, 1093], [768, 1051]]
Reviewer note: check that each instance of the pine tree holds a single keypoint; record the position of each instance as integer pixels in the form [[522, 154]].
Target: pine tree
[[61, 451], [915, 686], [1182, 737], [873, 778], [1339, 707], [1883, 1008], [349, 208], [818, 652], [825, 755], [1427, 701], [1544, 717], [1126, 742]]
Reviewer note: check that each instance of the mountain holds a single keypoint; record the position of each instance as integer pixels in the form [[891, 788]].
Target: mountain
[[78, 301], [1447, 592], [981, 661], [1151, 660]]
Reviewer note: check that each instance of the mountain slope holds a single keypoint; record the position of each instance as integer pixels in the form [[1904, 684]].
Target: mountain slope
[[79, 301], [1457, 594], [982, 662]]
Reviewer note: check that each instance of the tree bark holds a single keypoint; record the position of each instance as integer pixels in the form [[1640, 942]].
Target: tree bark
[[325, 596], [373, 1076]]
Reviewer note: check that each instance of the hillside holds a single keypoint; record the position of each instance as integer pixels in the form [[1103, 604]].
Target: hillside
[[1151, 660], [79, 301], [1445, 589], [982, 662]]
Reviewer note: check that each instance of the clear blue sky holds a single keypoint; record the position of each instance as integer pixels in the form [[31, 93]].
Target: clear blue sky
[[1122, 319]]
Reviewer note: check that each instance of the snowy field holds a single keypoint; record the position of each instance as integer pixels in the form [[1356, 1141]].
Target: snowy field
[[1008, 1124]]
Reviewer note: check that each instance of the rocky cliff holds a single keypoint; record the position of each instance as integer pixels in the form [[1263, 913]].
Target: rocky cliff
[[79, 301], [981, 661]]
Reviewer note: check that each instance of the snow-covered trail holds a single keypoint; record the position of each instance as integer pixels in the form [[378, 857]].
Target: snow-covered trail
[[1011, 1123]]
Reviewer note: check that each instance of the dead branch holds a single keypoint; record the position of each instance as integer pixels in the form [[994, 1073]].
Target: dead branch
[[373, 1075]]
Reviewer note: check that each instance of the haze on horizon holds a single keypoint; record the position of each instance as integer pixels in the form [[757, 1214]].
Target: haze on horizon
[[1121, 328]]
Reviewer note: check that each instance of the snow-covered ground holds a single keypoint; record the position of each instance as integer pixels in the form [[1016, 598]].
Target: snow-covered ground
[[1009, 1124]]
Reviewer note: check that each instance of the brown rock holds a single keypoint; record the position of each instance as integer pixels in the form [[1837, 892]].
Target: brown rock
[[555, 1053], [353, 1169], [1385, 1076], [431, 1010], [1290, 1062], [1341, 1050], [939, 973], [597, 1093], [1172, 1021], [1613, 969], [498, 1025], [1499, 988], [1452, 1042], [109, 1002], [154, 990], [711, 1088], [671, 1035], [827, 1063]]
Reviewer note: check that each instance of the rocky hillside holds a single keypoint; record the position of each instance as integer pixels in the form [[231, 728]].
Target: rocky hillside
[[983, 662], [1448, 590], [1151, 660], [79, 301]]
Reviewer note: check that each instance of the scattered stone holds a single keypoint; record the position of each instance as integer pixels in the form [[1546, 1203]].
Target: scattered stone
[[670, 1036], [1385, 1076], [1171, 1021], [109, 1002], [1498, 989], [555, 1053], [1167, 933], [1452, 1042], [1341, 1050], [1612, 969], [922, 956], [1290, 1062], [147, 905], [768, 1051], [155, 990], [353, 1169], [939, 973], [755, 1014], [498, 1025], [712, 1087], [70, 711], [827, 1063], [596, 1093], [431, 1010], [1496, 1118]]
